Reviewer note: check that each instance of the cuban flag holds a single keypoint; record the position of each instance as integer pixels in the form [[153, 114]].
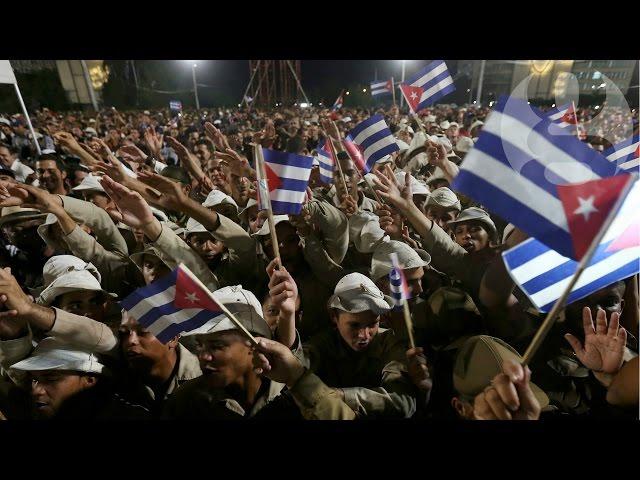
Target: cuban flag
[[373, 140], [380, 88], [626, 154], [435, 82], [521, 167], [326, 162], [398, 283], [543, 274], [172, 305], [337, 105], [287, 180], [563, 116]]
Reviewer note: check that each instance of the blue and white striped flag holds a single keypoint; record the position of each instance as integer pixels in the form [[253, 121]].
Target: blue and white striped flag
[[326, 163], [374, 140], [563, 116], [172, 305], [380, 88], [517, 165], [626, 154], [397, 283], [287, 179], [436, 82], [543, 274]]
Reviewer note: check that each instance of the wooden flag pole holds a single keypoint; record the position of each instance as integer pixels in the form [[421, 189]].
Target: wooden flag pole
[[259, 159], [393, 91], [363, 178], [551, 316], [408, 322], [224, 309], [335, 156], [575, 113]]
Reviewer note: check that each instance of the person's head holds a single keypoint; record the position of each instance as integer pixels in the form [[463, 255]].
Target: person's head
[[76, 174], [151, 265], [180, 175], [58, 371], [477, 362], [51, 173], [8, 155], [473, 230], [92, 191], [610, 299], [355, 308], [442, 207], [221, 203], [250, 216], [19, 127], [7, 176], [201, 240], [202, 151], [73, 285], [289, 243], [225, 358], [214, 169], [414, 263], [20, 228], [143, 352]]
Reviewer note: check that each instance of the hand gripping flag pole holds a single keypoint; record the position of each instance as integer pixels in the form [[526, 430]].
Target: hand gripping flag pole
[[584, 261]]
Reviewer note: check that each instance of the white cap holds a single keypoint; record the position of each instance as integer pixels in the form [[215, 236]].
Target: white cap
[[90, 182], [417, 187], [48, 151], [244, 305], [508, 230], [407, 257], [464, 144], [53, 354], [91, 130], [217, 122], [61, 264], [402, 145], [385, 159], [346, 119], [264, 230], [444, 125], [357, 293], [454, 124], [4, 121], [475, 124], [216, 197], [430, 118], [251, 203], [193, 226], [73, 281]]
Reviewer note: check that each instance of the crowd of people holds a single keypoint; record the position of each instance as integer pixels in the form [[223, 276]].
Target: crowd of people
[[117, 200]]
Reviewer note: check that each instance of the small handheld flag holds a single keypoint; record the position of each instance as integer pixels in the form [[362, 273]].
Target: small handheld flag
[[326, 162], [435, 81], [373, 139], [625, 154], [337, 105], [381, 88], [400, 294], [287, 177]]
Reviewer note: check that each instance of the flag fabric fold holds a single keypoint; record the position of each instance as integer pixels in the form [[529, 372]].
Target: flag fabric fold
[[435, 81], [373, 139], [326, 162], [380, 88], [287, 180], [172, 305], [398, 283], [625, 154]]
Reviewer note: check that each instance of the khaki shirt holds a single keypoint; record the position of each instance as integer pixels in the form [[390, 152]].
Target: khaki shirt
[[375, 382], [309, 398]]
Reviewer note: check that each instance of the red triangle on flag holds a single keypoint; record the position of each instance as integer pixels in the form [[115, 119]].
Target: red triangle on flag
[[389, 85], [273, 180], [190, 294], [570, 116], [587, 205], [356, 153], [412, 95]]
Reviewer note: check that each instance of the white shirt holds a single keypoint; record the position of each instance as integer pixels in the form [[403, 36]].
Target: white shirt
[[21, 171]]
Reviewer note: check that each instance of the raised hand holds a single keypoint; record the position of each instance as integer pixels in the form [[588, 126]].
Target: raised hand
[[171, 195], [132, 209], [179, 148], [391, 222], [11, 195], [134, 154], [509, 397], [28, 196], [67, 141], [436, 153], [331, 129], [216, 135], [115, 170], [603, 348], [400, 197], [282, 288], [238, 165], [348, 206], [153, 141], [406, 238]]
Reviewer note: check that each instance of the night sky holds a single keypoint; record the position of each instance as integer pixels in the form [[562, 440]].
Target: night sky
[[321, 79]]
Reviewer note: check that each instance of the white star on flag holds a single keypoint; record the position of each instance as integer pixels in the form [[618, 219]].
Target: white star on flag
[[192, 297], [586, 207], [413, 95]]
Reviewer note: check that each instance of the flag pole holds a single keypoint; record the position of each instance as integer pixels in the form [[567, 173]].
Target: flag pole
[[224, 309], [335, 156], [259, 160], [26, 116], [575, 114], [393, 91], [362, 177], [588, 256], [408, 322]]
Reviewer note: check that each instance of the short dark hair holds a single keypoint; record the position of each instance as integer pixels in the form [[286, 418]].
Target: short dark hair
[[13, 150], [47, 157], [176, 173], [7, 172]]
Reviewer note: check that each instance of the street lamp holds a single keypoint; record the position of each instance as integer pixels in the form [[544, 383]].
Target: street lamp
[[194, 65]]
